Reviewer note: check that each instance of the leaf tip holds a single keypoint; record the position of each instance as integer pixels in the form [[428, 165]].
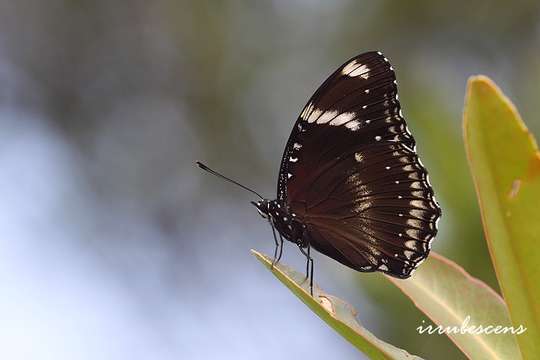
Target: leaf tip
[[480, 85], [261, 257], [483, 94], [481, 81]]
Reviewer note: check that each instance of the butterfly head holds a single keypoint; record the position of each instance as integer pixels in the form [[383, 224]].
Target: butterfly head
[[282, 219], [263, 207]]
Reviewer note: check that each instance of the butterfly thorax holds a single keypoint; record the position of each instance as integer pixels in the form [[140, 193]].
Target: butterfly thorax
[[283, 219]]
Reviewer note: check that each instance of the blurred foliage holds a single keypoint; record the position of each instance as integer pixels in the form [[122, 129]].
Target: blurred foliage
[[505, 164], [452, 299]]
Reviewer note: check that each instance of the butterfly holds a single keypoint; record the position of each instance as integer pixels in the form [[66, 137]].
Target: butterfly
[[350, 183]]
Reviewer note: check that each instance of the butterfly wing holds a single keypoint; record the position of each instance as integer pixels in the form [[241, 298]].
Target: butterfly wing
[[351, 174]]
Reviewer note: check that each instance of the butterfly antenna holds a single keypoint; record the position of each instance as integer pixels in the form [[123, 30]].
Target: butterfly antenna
[[213, 172]]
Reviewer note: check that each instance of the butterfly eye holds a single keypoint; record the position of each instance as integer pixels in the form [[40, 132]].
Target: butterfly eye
[[261, 208]]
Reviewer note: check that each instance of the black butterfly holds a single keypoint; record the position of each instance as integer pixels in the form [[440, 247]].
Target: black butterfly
[[350, 182]]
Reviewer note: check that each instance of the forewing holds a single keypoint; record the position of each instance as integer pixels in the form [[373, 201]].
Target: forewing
[[350, 171]]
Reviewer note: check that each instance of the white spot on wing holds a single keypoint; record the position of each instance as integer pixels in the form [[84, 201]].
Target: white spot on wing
[[411, 244], [306, 111], [349, 67], [292, 159], [327, 116], [362, 71], [354, 69], [297, 146], [408, 254], [378, 138], [353, 125], [343, 118], [427, 177], [408, 148], [314, 115]]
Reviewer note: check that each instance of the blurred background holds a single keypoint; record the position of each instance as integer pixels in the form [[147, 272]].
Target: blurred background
[[114, 245]]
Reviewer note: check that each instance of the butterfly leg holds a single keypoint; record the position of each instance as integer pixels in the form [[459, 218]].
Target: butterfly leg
[[280, 247], [307, 262], [275, 260], [309, 266]]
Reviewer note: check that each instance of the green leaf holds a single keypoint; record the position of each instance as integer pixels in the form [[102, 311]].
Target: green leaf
[[505, 165], [335, 312], [448, 295]]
